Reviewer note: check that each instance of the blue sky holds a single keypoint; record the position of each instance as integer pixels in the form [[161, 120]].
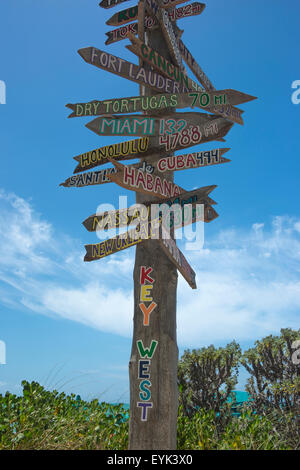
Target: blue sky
[[68, 324]]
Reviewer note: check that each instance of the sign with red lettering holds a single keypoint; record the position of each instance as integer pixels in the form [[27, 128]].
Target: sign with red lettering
[[211, 128], [174, 163], [137, 180]]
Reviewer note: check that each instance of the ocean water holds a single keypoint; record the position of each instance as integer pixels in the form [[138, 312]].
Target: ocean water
[[241, 397]]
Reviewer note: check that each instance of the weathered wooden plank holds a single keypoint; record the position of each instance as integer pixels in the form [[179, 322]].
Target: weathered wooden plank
[[214, 129], [121, 218], [160, 102], [142, 213], [131, 14], [177, 258], [121, 242], [191, 160], [174, 163], [167, 28], [130, 71], [194, 67], [143, 232], [164, 3], [89, 178], [173, 124], [139, 181]]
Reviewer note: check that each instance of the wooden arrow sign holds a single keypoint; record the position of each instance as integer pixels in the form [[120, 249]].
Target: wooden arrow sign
[[159, 102], [89, 178], [141, 234], [151, 23], [121, 242], [125, 217], [164, 3], [216, 104], [142, 212], [177, 257], [191, 160], [167, 29], [214, 129], [141, 182], [173, 124], [175, 163], [133, 72], [131, 14]]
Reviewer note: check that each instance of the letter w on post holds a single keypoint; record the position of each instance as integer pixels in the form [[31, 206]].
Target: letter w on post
[[147, 352]]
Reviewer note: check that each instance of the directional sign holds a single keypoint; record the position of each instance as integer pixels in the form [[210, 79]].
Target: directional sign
[[216, 105], [177, 257], [125, 217], [215, 129], [191, 160], [159, 102], [141, 182], [131, 14], [194, 67], [133, 72], [164, 3], [167, 29], [121, 242], [150, 23], [88, 179], [172, 124], [140, 234], [175, 163]]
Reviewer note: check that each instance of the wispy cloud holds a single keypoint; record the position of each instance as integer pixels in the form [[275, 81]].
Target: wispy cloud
[[248, 280]]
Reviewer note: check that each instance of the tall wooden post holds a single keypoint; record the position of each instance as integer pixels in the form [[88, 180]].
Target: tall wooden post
[[153, 378]]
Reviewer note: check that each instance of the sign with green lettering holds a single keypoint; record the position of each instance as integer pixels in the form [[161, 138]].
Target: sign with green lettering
[[133, 104]]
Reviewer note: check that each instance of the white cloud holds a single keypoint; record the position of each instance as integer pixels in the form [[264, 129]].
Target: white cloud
[[248, 280]]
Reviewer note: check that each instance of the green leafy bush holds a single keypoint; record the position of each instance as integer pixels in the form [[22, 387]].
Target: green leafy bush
[[50, 420]]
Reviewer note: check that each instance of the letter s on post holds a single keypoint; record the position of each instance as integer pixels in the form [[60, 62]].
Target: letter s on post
[[296, 95]]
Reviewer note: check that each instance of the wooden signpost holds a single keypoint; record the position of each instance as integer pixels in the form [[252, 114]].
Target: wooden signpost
[[162, 205], [215, 129]]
